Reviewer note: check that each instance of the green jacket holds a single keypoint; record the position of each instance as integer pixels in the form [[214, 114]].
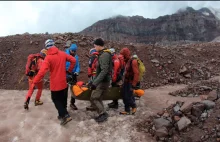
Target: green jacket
[[104, 67]]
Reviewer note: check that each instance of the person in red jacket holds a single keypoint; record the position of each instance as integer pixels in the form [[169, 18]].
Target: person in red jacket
[[32, 67], [115, 75], [92, 63], [130, 81], [55, 62]]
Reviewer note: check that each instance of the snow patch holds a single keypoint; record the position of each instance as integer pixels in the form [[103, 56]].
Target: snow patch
[[205, 13]]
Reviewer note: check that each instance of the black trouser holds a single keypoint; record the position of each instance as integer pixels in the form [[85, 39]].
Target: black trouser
[[128, 98], [73, 82], [60, 101]]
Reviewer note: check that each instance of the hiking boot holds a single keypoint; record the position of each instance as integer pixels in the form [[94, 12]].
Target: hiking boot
[[65, 119], [133, 110], [124, 113], [26, 106], [59, 118], [73, 106], [102, 117], [38, 102], [90, 108], [113, 105]]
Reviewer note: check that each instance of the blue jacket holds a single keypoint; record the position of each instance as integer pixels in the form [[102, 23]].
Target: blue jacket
[[77, 66]]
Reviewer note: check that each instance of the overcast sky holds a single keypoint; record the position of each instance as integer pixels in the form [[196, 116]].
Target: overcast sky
[[74, 16]]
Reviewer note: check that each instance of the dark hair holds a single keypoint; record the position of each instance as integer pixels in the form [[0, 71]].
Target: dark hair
[[99, 42]]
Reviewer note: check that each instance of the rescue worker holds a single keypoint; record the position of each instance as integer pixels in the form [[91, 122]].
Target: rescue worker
[[93, 58], [55, 63], [130, 81], [32, 67], [102, 79], [115, 75], [92, 63], [71, 50]]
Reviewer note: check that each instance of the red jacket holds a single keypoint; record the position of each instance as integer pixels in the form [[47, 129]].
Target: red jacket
[[55, 62], [131, 67], [92, 64], [116, 68], [122, 62]]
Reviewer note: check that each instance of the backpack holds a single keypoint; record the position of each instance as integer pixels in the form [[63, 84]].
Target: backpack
[[92, 61], [31, 62], [141, 67]]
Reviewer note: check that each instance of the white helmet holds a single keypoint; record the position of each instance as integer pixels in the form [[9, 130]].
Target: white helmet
[[49, 43], [112, 50]]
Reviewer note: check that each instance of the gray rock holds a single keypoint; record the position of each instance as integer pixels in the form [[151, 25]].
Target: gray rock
[[212, 95], [155, 61], [160, 122], [205, 88], [161, 132], [183, 123], [204, 115], [190, 95], [187, 75], [184, 95], [176, 108], [208, 104], [183, 70]]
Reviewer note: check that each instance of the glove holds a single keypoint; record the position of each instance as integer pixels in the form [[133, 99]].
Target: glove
[[76, 73], [68, 73], [91, 86], [31, 73]]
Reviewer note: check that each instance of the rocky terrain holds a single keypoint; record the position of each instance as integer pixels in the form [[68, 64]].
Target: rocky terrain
[[181, 64], [184, 25]]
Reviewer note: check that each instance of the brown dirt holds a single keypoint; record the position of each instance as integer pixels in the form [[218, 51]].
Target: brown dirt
[[201, 60]]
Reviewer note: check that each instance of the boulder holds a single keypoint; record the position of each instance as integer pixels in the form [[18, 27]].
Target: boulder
[[212, 95], [161, 132], [208, 104], [160, 122], [183, 123]]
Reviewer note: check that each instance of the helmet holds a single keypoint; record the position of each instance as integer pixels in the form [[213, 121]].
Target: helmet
[[112, 50], [92, 51], [43, 52], [49, 43], [135, 56], [73, 47]]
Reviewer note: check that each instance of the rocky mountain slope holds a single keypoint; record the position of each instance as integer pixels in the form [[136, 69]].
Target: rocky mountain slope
[[188, 24], [164, 65]]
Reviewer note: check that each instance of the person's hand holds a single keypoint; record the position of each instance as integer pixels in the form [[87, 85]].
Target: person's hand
[[91, 86], [68, 73], [31, 73], [76, 73]]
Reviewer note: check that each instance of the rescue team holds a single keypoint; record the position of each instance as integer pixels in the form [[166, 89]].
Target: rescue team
[[106, 68]]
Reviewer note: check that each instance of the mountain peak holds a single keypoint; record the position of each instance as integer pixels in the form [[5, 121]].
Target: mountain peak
[[186, 24]]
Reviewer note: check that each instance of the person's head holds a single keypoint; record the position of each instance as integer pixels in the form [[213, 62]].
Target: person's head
[[112, 50], [73, 49], [92, 51], [68, 44], [99, 44], [126, 53], [43, 53], [49, 43]]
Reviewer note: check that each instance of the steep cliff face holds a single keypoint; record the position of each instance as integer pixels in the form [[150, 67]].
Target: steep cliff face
[[187, 24]]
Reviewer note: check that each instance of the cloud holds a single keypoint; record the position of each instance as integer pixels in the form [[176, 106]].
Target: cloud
[[74, 16]]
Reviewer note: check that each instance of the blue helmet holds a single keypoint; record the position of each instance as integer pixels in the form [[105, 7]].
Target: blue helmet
[[73, 47], [49, 43]]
